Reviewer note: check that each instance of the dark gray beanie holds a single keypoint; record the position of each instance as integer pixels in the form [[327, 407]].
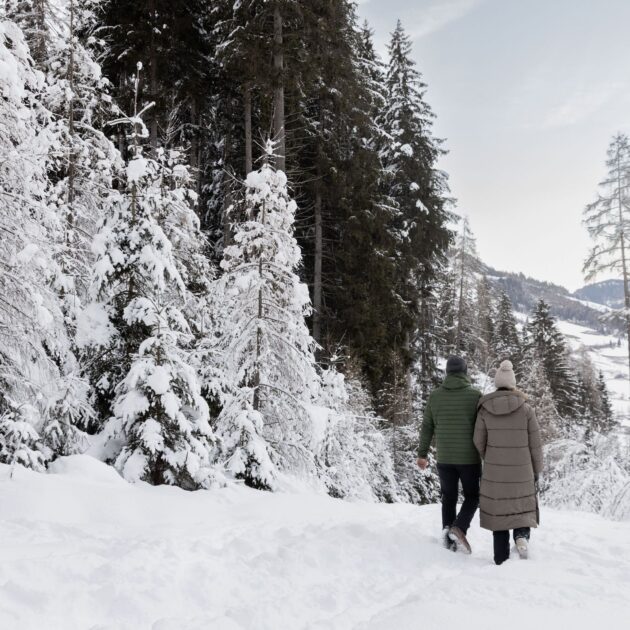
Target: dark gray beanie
[[456, 365]]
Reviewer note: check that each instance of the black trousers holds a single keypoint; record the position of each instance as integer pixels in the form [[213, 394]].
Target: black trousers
[[450, 476], [502, 542]]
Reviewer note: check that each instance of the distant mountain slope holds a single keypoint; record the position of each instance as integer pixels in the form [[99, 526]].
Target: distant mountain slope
[[607, 292], [524, 292]]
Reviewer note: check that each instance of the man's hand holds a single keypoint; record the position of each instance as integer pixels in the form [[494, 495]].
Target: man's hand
[[422, 463]]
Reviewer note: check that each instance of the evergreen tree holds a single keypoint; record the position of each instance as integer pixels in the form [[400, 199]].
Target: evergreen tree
[[80, 166], [37, 368], [485, 324], [159, 427], [547, 344], [417, 227], [267, 349], [353, 457], [465, 263], [506, 342], [606, 421], [535, 384], [361, 307]]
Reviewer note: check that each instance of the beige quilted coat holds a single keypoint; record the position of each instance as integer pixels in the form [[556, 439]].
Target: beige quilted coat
[[507, 437]]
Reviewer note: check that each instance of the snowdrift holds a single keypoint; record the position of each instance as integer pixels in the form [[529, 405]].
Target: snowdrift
[[82, 549]]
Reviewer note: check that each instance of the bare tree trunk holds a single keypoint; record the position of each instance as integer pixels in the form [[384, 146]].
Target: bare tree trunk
[[227, 199], [408, 382], [317, 275], [40, 25], [153, 87], [247, 109], [460, 306], [72, 155], [278, 93], [256, 401], [194, 139], [624, 266], [121, 137]]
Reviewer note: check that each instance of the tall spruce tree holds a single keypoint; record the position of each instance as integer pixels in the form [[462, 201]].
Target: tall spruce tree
[[418, 190], [506, 342], [547, 344], [484, 354], [606, 421]]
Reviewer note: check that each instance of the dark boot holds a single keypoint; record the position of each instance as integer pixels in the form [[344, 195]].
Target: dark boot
[[501, 546]]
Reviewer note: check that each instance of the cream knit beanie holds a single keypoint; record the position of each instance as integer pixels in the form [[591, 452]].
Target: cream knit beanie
[[505, 376]]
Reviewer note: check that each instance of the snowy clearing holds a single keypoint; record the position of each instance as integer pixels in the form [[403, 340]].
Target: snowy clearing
[[82, 549]]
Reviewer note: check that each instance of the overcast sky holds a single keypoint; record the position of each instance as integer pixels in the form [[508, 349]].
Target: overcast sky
[[527, 94]]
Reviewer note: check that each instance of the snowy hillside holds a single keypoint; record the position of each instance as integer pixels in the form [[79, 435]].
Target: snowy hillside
[[82, 549], [608, 356]]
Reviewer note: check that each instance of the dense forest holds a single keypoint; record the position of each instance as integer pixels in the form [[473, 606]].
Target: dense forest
[[229, 251]]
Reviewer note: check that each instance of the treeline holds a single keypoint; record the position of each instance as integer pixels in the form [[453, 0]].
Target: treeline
[[227, 250], [224, 224], [352, 134]]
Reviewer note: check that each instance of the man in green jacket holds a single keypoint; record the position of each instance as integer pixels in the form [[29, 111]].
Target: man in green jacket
[[449, 416]]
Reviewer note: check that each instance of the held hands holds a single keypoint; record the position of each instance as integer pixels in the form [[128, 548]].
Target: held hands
[[422, 463]]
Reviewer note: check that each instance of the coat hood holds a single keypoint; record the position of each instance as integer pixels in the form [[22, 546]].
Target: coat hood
[[502, 403], [456, 381]]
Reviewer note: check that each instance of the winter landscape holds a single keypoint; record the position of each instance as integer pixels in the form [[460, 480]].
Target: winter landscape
[[233, 263]]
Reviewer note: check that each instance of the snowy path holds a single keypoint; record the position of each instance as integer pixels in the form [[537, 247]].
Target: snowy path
[[80, 549]]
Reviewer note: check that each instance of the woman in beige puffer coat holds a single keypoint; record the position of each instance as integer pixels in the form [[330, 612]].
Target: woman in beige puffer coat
[[507, 437]]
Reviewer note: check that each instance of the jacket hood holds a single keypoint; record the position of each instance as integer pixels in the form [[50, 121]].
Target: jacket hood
[[502, 403], [456, 381]]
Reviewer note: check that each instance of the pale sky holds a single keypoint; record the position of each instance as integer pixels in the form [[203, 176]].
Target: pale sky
[[527, 94]]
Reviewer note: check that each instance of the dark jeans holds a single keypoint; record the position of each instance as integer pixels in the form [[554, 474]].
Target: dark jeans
[[450, 476], [502, 542]]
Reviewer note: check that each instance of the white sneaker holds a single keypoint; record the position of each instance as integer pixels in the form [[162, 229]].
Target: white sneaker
[[521, 547]]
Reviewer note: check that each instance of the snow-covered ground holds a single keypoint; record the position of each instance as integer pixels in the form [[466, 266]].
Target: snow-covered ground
[[82, 549], [610, 357]]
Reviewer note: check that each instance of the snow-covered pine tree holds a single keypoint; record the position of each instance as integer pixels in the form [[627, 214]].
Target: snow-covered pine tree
[[533, 382], [608, 223], [465, 264], [606, 421], [159, 426], [268, 353], [485, 316], [40, 396], [446, 290], [81, 164], [353, 456], [588, 398], [506, 342], [547, 344]]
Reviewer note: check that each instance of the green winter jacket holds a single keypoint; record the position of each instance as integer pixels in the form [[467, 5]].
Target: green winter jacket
[[450, 415]]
